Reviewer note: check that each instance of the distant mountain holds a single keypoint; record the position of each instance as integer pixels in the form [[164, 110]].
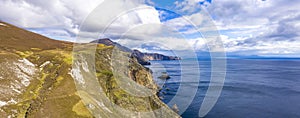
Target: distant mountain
[[143, 58]]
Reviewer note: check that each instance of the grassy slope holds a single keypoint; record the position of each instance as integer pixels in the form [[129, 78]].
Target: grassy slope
[[52, 93], [14, 38]]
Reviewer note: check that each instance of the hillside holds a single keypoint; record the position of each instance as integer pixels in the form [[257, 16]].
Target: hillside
[[37, 80], [14, 38]]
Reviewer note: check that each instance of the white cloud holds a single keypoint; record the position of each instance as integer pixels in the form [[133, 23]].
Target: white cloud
[[257, 26], [144, 15], [165, 43], [190, 6], [253, 27], [63, 15], [61, 19], [183, 21]]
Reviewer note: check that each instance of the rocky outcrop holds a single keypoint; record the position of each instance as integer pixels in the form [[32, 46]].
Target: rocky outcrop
[[164, 75]]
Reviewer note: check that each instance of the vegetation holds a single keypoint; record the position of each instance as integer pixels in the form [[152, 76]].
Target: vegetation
[[52, 91]]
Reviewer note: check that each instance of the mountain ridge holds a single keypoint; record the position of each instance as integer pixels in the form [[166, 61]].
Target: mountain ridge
[[143, 58]]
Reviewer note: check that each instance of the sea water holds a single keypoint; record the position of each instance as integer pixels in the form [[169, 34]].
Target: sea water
[[257, 88]]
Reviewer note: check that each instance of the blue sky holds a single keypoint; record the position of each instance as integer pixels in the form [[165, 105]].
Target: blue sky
[[244, 27]]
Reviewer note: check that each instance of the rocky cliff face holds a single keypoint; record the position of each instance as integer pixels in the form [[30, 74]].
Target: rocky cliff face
[[37, 80], [153, 56], [142, 58]]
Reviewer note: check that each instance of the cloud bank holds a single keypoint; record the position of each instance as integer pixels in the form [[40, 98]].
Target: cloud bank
[[247, 27]]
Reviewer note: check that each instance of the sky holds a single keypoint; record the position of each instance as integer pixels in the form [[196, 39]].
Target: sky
[[238, 27]]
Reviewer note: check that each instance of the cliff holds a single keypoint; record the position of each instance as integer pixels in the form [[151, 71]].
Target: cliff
[[153, 56], [142, 58], [37, 80]]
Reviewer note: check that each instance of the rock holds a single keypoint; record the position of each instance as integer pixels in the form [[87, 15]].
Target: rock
[[164, 76], [140, 57], [167, 89], [175, 108]]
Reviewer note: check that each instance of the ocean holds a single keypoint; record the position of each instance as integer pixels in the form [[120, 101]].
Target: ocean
[[257, 88]]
